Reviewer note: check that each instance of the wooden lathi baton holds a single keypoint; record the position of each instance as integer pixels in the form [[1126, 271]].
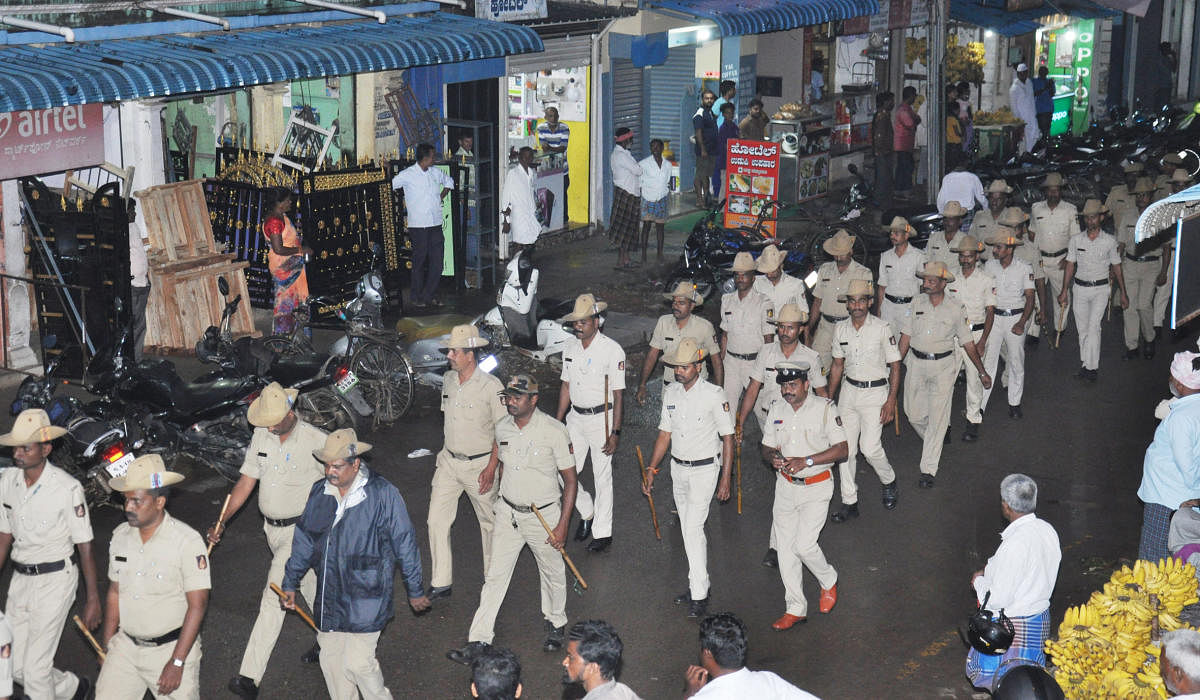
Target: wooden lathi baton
[[653, 514], [95, 645], [220, 519], [566, 557], [303, 615], [1059, 327]]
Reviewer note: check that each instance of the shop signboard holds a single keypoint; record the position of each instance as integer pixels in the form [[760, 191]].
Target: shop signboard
[[1084, 38], [35, 141], [509, 10], [751, 181]]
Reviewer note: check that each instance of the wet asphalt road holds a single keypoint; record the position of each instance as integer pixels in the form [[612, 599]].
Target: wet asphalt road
[[903, 575]]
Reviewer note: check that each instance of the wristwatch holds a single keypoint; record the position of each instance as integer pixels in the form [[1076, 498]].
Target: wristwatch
[[177, 663], [808, 461]]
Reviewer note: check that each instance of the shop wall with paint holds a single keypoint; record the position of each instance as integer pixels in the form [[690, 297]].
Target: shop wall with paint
[[330, 101]]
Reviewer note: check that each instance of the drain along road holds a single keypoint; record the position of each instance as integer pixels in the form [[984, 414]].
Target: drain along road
[[903, 575]]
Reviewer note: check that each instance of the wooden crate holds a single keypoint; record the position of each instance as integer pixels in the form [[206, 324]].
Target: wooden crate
[[184, 301], [177, 221]]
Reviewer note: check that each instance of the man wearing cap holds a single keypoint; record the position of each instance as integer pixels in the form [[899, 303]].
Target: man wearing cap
[[1143, 267], [280, 461], [535, 456], [1120, 196], [1053, 224], [467, 461], [353, 533], [1024, 107], [802, 440], [593, 364], [929, 330], [745, 327], [1177, 182], [898, 283], [833, 279], [696, 423], [673, 328], [45, 527], [158, 588], [866, 356], [942, 244], [976, 291], [1014, 281], [1093, 255], [778, 286], [987, 220], [1166, 167]]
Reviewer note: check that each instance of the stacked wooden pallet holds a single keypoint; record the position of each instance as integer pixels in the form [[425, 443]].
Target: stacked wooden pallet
[[185, 263]]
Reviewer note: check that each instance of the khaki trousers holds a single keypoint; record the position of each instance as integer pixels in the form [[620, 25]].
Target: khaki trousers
[[975, 394], [928, 390], [1140, 286], [130, 670], [1162, 297], [823, 343], [892, 312], [798, 516], [512, 533], [37, 611], [1054, 279], [737, 378], [587, 437], [1090, 303], [451, 478], [859, 409], [349, 665], [270, 616], [1012, 347], [693, 489]]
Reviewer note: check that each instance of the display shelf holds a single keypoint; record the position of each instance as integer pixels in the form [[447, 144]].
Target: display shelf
[[477, 185]]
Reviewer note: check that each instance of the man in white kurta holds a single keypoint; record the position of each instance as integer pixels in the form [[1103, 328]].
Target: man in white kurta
[[1021, 102]]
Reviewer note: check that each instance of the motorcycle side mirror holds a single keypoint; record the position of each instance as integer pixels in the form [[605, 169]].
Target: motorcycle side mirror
[[852, 168], [223, 285]]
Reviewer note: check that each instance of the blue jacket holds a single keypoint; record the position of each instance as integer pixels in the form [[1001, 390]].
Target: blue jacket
[[355, 559]]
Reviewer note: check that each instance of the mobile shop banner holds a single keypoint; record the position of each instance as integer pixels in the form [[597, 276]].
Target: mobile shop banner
[[752, 180]]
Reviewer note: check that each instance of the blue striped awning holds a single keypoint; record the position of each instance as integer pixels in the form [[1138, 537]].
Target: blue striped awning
[[742, 17], [986, 14], [56, 75]]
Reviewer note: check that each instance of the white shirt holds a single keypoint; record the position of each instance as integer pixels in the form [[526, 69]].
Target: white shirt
[[963, 187], [656, 179], [518, 194], [586, 369], [1022, 572], [1021, 102], [898, 274], [697, 419], [626, 171], [422, 194], [744, 683], [138, 243], [975, 292], [1011, 282], [788, 290], [511, 295]]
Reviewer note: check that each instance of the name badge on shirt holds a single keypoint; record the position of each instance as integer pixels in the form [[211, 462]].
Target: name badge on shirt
[[120, 558]]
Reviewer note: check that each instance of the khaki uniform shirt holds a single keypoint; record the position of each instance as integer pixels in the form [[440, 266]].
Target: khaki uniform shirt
[[585, 369], [1011, 282], [745, 321], [812, 428], [763, 371], [983, 227], [898, 273], [1053, 228], [1092, 258], [285, 470], [832, 284], [975, 293], [472, 409], [1119, 198], [788, 290], [1029, 254], [532, 457], [1126, 234], [154, 575], [938, 250], [667, 336], [696, 418], [46, 520], [933, 329], [867, 351]]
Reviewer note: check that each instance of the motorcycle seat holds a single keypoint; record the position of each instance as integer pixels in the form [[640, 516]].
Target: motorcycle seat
[[191, 397], [414, 328], [288, 371]]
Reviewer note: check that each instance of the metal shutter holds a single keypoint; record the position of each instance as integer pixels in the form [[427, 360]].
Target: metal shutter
[[627, 103], [570, 52], [673, 99]]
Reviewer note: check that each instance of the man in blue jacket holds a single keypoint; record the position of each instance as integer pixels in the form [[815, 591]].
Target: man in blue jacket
[[354, 530]]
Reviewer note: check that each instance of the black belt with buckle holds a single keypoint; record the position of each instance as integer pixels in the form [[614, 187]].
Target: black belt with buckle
[[588, 411], [867, 385], [1054, 254], [978, 326], [46, 568], [285, 522], [834, 319], [931, 356], [523, 509], [466, 458], [694, 462], [1009, 312], [1143, 258], [171, 636], [1092, 283], [897, 300], [749, 357]]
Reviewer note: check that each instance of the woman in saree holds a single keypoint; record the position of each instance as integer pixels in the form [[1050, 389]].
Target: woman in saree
[[285, 259]]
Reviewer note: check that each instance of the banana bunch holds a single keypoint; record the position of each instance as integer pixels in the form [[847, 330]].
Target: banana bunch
[[1171, 580], [1001, 116]]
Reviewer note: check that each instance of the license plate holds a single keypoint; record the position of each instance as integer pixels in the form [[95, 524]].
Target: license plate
[[119, 467], [347, 382]]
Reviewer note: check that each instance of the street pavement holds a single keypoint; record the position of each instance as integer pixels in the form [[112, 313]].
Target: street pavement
[[902, 575]]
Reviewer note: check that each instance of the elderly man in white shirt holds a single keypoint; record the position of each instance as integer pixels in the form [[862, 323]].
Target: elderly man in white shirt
[[656, 189], [964, 187], [722, 673], [518, 204], [1018, 579], [424, 189], [1179, 663]]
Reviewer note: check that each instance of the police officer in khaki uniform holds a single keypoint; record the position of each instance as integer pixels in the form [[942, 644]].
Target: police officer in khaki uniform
[[279, 460], [976, 291], [592, 364], [929, 330], [535, 454], [157, 594], [833, 279], [1054, 223], [672, 328], [43, 523], [467, 461], [1121, 196], [802, 441], [866, 356], [696, 424], [745, 327], [898, 284], [1143, 266], [1014, 282], [778, 286], [1092, 256], [941, 245], [1017, 220], [986, 221]]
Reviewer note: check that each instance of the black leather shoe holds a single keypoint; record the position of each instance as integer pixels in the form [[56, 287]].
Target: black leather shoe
[[84, 691], [438, 592], [599, 544], [584, 531], [465, 655], [848, 511], [1083, 373], [697, 608], [1130, 354], [238, 685], [1015, 412], [971, 432], [925, 482], [555, 636], [891, 495], [771, 559], [1148, 350], [685, 597], [1093, 375], [312, 656]]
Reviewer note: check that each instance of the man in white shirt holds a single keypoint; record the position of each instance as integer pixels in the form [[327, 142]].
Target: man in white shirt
[[722, 672], [1021, 101], [627, 192], [963, 187], [518, 204], [1179, 663], [424, 189], [139, 285], [1018, 579], [656, 188]]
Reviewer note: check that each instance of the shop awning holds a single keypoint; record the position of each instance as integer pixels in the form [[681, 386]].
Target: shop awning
[[65, 74], [1166, 211], [741, 17], [990, 16]]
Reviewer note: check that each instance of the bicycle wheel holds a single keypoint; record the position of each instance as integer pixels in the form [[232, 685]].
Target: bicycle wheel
[[386, 377], [323, 409], [816, 249], [284, 346]]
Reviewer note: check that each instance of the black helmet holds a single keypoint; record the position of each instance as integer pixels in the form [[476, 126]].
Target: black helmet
[[987, 635], [1027, 682]]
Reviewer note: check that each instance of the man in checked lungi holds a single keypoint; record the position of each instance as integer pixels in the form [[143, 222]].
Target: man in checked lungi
[[1018, 579], [627, 198]]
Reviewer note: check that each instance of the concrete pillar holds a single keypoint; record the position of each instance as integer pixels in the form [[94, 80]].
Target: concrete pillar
[[267, 109], [364, 115], [142, 142], [18, 304]]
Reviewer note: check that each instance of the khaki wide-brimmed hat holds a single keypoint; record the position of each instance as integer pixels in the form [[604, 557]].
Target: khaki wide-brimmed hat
[[899, 224], [1012, 216], [1005, 236], [271, 406], [520, 384], [968, 244], [1144, 185], [955, 209], [1053, 180], [744, 262], [586, 306], [840, 243], [688, 352], [1172, 158], [685, 290], [770, 259], [464, 337], [1180, 176], [341, 444], [790, 313], [32, 426], [146, 472], [857, 288], [936, 268], [1093, 207], [1000, 186], [1131, 168]]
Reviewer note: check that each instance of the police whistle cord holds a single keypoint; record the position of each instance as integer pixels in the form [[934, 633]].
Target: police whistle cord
[[303, 615], [566, 557], [95, 645], [220, 519], [653, 514]]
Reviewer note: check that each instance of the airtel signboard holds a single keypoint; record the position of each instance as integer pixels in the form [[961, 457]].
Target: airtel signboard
[[37, 141]]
